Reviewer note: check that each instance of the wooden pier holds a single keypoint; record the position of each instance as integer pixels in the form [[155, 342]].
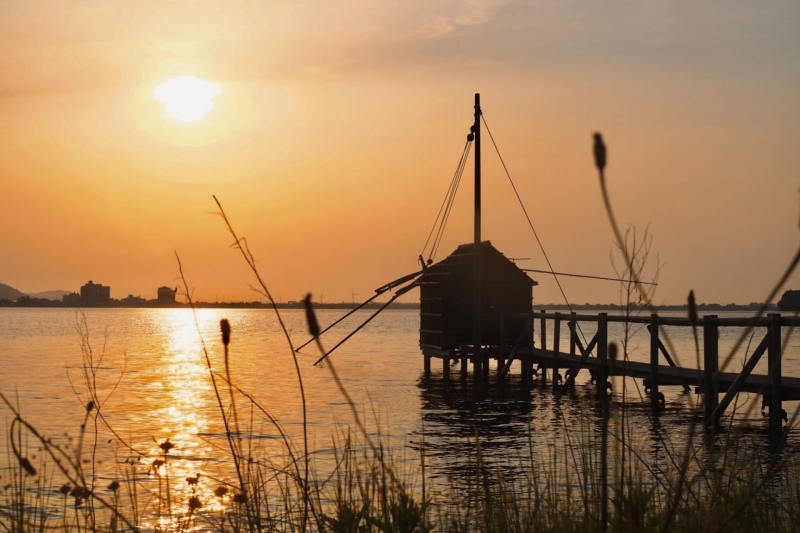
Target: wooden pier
[[718, 388]]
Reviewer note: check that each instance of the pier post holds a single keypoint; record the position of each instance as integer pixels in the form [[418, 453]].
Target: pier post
[[774, 356], [602, 355], [654, 364], [464, 365], [501, 344], [572, 334], [543, 335], [556, 346], [427, 365], [526, 359], [710, 365], [476, 363], [446, 367]]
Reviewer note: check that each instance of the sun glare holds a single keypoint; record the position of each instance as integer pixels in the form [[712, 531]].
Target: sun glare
[[187, 99]]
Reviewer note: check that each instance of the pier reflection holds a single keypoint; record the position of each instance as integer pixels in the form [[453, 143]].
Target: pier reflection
[[502, 433], [498, 430]]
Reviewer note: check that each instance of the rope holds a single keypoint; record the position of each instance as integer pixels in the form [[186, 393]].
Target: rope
[[435, 248], [586, 276], [525, 211], [446, 203]]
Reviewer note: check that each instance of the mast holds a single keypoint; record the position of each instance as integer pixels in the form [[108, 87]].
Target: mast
[[477, 356]]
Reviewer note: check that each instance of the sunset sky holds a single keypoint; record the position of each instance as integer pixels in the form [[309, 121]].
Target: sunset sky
[[338, 125]]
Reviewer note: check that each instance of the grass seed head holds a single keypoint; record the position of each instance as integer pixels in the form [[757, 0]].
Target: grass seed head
[[166, 446], [114, 486], [692, 307], [599, 152], [194, 503], [311, 318], [225, 328], [27, 466], [612, 351]]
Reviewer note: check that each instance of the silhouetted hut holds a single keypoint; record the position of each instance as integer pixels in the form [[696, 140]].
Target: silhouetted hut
[[446, 300]]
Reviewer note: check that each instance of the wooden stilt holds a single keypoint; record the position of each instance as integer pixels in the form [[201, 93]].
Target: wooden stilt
[[543, 341], [740, 380], [654, 364], [710, 365], [445, 368], [573, 372], [527, 360], [427, 365], [602, 355], [501, 345], [464, 365], [556, 346], [666, 355], [776, 404], [572, 333]]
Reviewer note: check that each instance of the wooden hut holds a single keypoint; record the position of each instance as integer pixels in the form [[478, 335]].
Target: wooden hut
[[446, 300]]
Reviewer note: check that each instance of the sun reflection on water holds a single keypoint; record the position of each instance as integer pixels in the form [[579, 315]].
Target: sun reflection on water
[[185, 416]]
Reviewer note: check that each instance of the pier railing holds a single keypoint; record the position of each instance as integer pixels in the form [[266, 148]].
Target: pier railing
[[661, 370]]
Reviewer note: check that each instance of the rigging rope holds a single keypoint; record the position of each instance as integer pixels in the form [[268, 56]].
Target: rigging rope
[[525, 211], [438, 241], [447, 204]]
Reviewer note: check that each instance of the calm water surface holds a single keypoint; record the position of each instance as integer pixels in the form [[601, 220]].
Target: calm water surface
[[152, 373]]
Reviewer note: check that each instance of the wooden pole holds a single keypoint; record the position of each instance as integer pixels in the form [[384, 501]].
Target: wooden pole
[[665, 353], [501, 348], [573, 333], [477, 355], [710, 365], [654, 364], [523, 337], [427, 365], [445, 368], [543, 335], [774, 356], [556, 346], [573, 373], [602, 355], [527, 359], [737, 384]]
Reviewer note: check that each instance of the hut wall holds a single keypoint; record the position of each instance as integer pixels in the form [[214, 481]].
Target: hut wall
[[446, 300]]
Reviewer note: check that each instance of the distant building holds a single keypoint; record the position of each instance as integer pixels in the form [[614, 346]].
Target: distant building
[[72, 299], [166, 295], [132, 301], [95, 294]]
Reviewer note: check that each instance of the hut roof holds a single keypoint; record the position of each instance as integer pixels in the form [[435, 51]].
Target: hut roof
[[493, 262]]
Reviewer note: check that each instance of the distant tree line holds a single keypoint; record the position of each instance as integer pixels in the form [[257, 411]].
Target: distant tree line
[[790, 301]]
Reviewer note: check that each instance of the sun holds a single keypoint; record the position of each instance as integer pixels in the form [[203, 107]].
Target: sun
[[187, 99]]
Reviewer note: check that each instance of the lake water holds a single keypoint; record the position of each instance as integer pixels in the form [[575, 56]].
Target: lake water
[[152, 375]]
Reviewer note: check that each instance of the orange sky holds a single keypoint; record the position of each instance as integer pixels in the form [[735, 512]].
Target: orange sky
[[340, 124]]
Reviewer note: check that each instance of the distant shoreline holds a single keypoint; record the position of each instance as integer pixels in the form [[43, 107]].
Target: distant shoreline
[[40, 302]]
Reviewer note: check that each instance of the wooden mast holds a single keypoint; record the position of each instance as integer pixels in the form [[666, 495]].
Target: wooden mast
[[477, 361]]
